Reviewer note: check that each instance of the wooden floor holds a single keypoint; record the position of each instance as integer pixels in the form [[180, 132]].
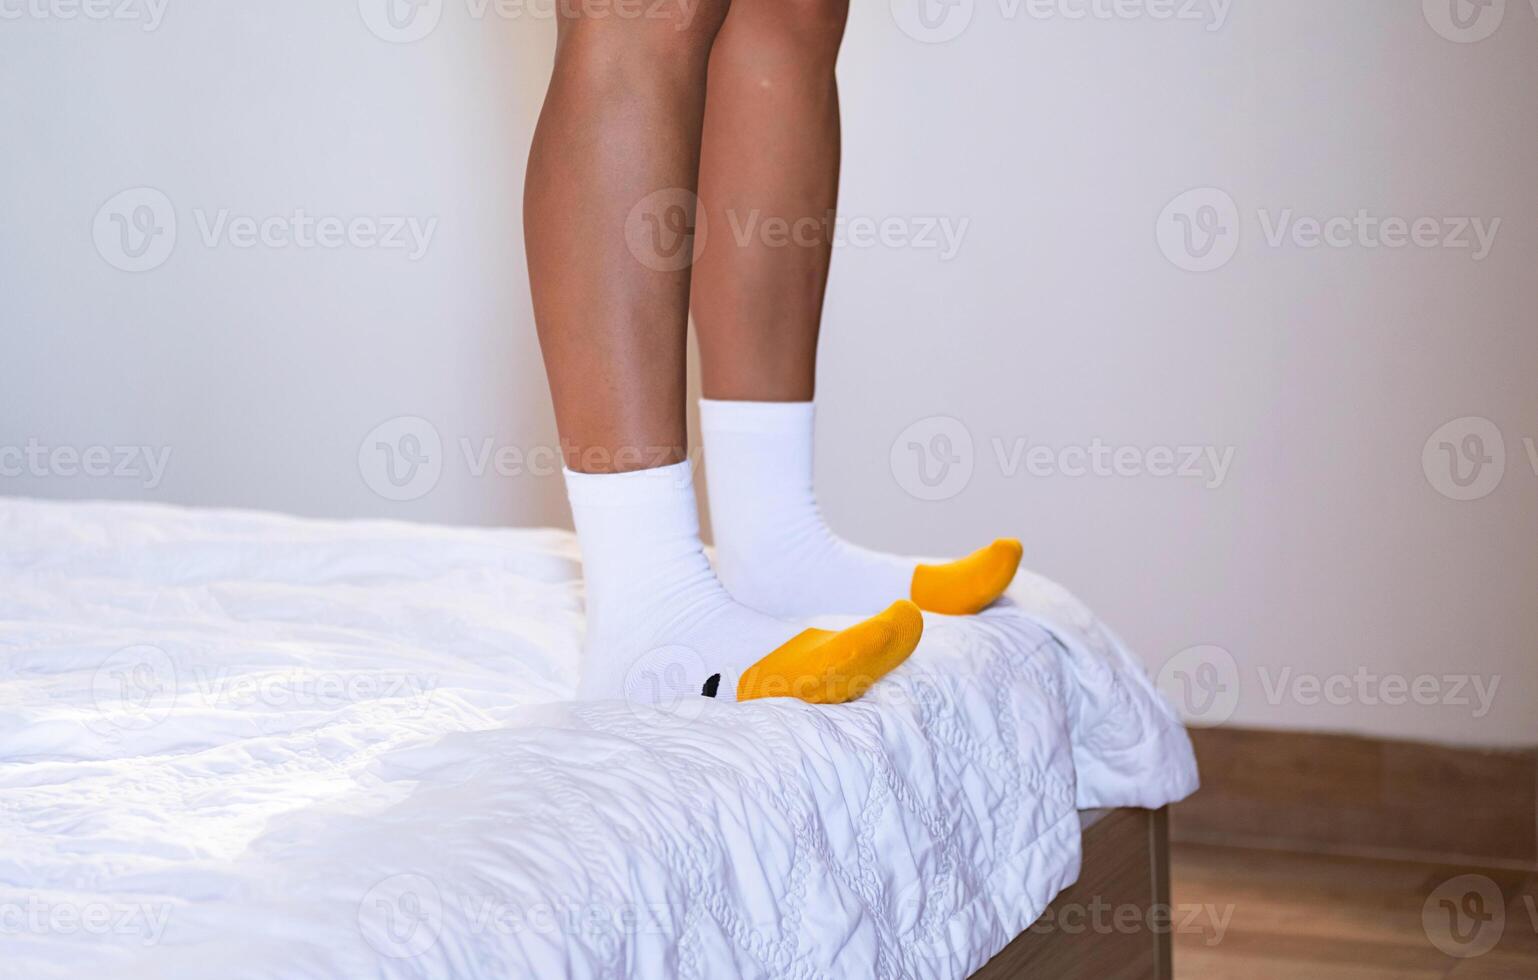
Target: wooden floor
[[1261, 914]]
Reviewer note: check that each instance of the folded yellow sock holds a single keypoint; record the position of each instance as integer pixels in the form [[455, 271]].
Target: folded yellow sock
[[831, 667], [967, 585]]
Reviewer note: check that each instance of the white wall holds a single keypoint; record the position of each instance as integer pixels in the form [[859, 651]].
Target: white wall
[[1050, 145], [262, 368]]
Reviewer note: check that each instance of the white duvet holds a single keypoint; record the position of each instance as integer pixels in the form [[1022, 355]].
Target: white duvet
[[244, 745]]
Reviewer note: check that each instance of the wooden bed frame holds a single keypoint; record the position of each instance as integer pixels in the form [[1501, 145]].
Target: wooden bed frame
[[1100, 926]]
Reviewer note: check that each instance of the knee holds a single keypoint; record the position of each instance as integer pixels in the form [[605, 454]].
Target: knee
[[654, 38]]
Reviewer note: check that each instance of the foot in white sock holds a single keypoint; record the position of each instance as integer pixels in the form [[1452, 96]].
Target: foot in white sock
[[775, 553], [660, 626]]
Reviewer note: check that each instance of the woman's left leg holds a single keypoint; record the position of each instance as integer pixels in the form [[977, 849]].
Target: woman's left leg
[[768, 187], [769, 170]]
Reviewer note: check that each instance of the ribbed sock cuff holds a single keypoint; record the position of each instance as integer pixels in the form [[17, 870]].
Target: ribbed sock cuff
[[756, 417], [632, 488]]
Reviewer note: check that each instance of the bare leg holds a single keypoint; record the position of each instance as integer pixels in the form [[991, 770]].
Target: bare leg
[[769, 184], [620, 126]]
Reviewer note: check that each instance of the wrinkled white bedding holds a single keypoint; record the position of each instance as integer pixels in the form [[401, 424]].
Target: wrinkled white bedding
[[245, 745]]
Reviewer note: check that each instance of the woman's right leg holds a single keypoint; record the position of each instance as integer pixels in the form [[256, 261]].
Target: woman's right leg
[[621, 125], [607, 206]]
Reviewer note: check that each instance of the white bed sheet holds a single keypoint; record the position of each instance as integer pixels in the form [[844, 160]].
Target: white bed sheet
[[246, 745]]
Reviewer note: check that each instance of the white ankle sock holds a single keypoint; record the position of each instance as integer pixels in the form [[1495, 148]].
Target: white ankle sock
[[774, 552], [659, 623]]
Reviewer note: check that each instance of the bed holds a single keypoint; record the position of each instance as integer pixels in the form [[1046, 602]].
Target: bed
[[250, 745]]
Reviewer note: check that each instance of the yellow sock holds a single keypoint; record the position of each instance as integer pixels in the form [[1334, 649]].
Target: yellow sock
[[967, 585], [828, 667]]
